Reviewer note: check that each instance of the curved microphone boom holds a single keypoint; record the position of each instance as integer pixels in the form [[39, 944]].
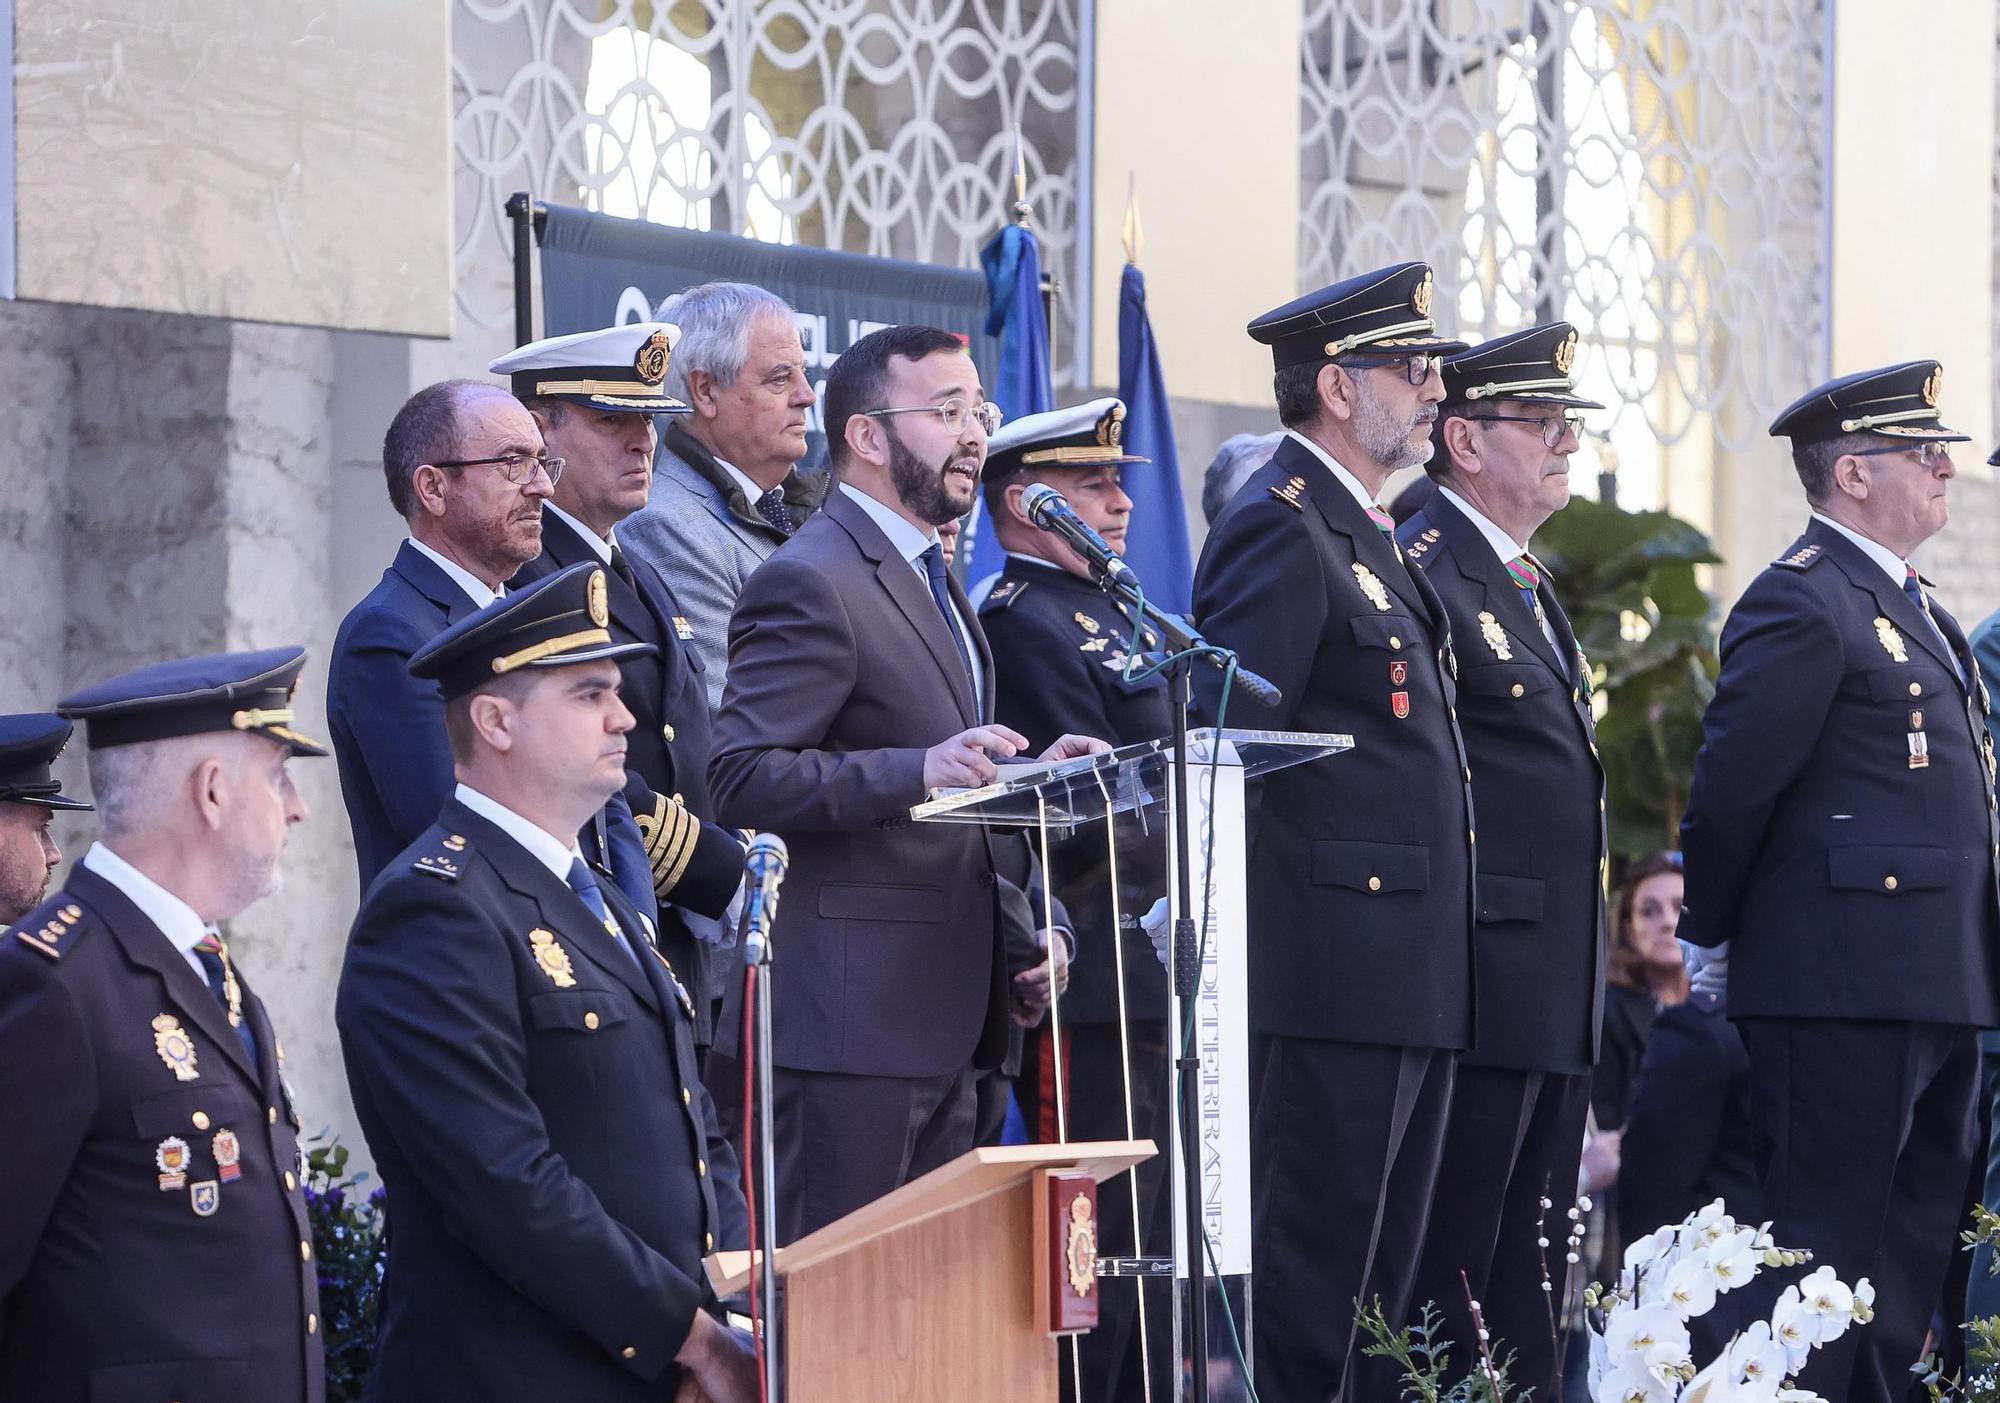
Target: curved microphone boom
[[764, 864]]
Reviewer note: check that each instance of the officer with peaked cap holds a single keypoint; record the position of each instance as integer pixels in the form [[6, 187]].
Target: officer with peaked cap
[[606, 442], [156, 1243], [1360, 867], [1062, 652], [1841, 839], [1504, 439], [30, 796], [522, 1056]]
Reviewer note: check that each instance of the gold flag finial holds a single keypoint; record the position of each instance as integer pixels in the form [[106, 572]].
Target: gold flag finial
[[1133, 236], [1023, 211]]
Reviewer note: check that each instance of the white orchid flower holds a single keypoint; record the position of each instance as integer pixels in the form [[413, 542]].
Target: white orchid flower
[[1630, 1383], [1691, 1287], [1864, 1301], [1734, 1259], [1792, 1329], [1647, 1337], [1828, 1302]]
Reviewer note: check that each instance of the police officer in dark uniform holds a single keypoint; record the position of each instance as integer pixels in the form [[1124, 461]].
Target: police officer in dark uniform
[[1061, 650], [522, 1057], [606, 439], [155, 1242], [1841, 838], [30, 796], [1504, 438], [1360, 866]]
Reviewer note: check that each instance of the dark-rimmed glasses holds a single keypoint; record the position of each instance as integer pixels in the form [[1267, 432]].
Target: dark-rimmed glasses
[[1930, 455], [952, 414], [1552, 429], [517, 468], [1417, 369]]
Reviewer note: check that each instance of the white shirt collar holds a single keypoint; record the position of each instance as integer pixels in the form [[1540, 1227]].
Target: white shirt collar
[[751, 490], [474, 587], [1504, 545], [909, 542], [547, 849], [1893, 565], [595, 541], [1341, 475], [177, 920]]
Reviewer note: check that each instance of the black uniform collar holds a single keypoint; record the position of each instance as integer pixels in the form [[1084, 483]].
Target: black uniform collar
[[1474, 557], [1865, 574]]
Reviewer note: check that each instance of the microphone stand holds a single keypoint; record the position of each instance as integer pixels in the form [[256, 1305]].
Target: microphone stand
[[764, 1177]]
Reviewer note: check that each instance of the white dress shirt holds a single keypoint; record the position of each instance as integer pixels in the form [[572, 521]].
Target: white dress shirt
[[1504, 546], [176, 919], [474, 587], [751, 491], [595, 541], [1341, 475], [910, 543], [547, 849]]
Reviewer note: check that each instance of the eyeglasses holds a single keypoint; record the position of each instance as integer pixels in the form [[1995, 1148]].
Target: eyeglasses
[[1930, 455], [952, 414], [517, 468], [1417, 368], [1552, 429]]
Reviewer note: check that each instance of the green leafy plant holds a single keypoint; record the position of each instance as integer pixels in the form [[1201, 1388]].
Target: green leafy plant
[[347, 1220], [1628, 583], [1424, 1359]]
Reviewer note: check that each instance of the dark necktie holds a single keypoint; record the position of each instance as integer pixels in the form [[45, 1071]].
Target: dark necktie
[[623, 569], [773, 508], [584, 883], [933, 560], [214, 957], [1914, 587]]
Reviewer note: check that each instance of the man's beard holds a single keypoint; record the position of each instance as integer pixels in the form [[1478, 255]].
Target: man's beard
[[1386, 438], [921, 486]]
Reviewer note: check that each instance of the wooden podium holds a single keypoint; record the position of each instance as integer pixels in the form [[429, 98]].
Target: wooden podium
[[938, 1291]]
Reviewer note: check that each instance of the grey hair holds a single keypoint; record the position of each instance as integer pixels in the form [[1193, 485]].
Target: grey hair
[[715, 321], [1239, 456], [131, 784]]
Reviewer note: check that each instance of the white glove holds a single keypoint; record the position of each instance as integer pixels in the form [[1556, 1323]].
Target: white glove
[[1158, 930], [1708, 968]]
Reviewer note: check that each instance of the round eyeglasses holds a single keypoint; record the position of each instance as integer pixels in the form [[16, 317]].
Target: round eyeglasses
[[952, 414]]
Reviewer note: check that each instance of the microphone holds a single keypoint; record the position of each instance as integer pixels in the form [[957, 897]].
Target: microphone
[[1051, 511], [764, 863]]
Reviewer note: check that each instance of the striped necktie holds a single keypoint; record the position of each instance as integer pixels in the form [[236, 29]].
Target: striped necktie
[[1384, 522], [221, 974], [1527, 574]]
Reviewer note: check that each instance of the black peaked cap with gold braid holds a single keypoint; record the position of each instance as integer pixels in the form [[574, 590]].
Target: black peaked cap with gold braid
[[1532, 365], [1897, 400], [1386, 312], [616, 368], [29, 745], [558, 621], [193, 696]]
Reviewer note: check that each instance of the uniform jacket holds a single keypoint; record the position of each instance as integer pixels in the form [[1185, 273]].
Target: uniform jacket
[[1059, 646], [387, 727], [1530, 741], [531, 1097], [1360, 865], [115, 1285], [1687, 1136], [696, 864], [705, 537], [1849, 883], [842, 673]]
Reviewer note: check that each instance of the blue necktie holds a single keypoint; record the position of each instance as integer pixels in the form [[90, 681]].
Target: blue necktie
[[584, 884], [1914, 587], [775, 510], [941, 593], [214, 957]]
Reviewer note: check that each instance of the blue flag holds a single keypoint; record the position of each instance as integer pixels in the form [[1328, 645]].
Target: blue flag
[[1156, 543], [1013, 262]]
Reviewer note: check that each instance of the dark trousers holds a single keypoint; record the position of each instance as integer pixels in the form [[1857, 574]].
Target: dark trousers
[[1864, 1137], [1514, 1138], [1345, 1143], [844, 1141]]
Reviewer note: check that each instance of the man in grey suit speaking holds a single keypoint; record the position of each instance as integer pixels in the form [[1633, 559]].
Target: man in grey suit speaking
[[726, 488], [859, 679]]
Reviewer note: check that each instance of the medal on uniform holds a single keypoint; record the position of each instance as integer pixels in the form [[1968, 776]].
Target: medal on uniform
[[228, 1155], [1495, 636], [205, 1197], [1891, 641], [1399, 704], [172, 1157], [1095, 645], [1371, 586], [1920, 750], [683, 630], [1086, 623], [553, 959], [1399, 673], [176, 1049]]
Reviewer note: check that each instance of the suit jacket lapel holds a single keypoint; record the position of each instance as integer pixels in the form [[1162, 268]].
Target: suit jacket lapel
[[1476, 559], [422, 574], [1895, 606], [146, 945], [1337, 507], [1559, 621], [912, 596]]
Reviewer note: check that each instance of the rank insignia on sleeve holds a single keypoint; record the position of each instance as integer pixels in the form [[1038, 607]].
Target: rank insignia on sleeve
[[1891, 641], [1377, 593], [175, 1047], [553, 959], [1291, 493], [1495, 636], [1087, 624]]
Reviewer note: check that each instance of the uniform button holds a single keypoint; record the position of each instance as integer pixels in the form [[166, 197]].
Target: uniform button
[[667, 731], [305, 1251], [291, 1181], [200, 1119], [271, 1114], [708, 1242], [629, 1352], [1517, 690], [1600, 806], [1470, 836], [590, 1020], [1374, 884], [1890, 881], [312, 1325], [701, 1168], [1395, 642], [1916, 689], [687, 1097], [1575, 695], [1468, 776]]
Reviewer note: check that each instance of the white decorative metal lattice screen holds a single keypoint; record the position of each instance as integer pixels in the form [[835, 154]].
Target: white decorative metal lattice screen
[[879, 126], [1652, 170]]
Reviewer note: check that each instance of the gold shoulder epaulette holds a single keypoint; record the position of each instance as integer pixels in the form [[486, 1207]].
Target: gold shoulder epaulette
[[1291, 492], [54, 933], [1800, 558], [445, 858], [1002, 595]]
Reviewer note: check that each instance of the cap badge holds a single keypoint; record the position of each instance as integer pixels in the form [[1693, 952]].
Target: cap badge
[[1420, 300], [553, 959], [1891, 641], [176, 1049], [1111, 428], [1565, 355], [1371, 586], [1495, 636], [596, 600], [1934, 386], [650, 365]]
